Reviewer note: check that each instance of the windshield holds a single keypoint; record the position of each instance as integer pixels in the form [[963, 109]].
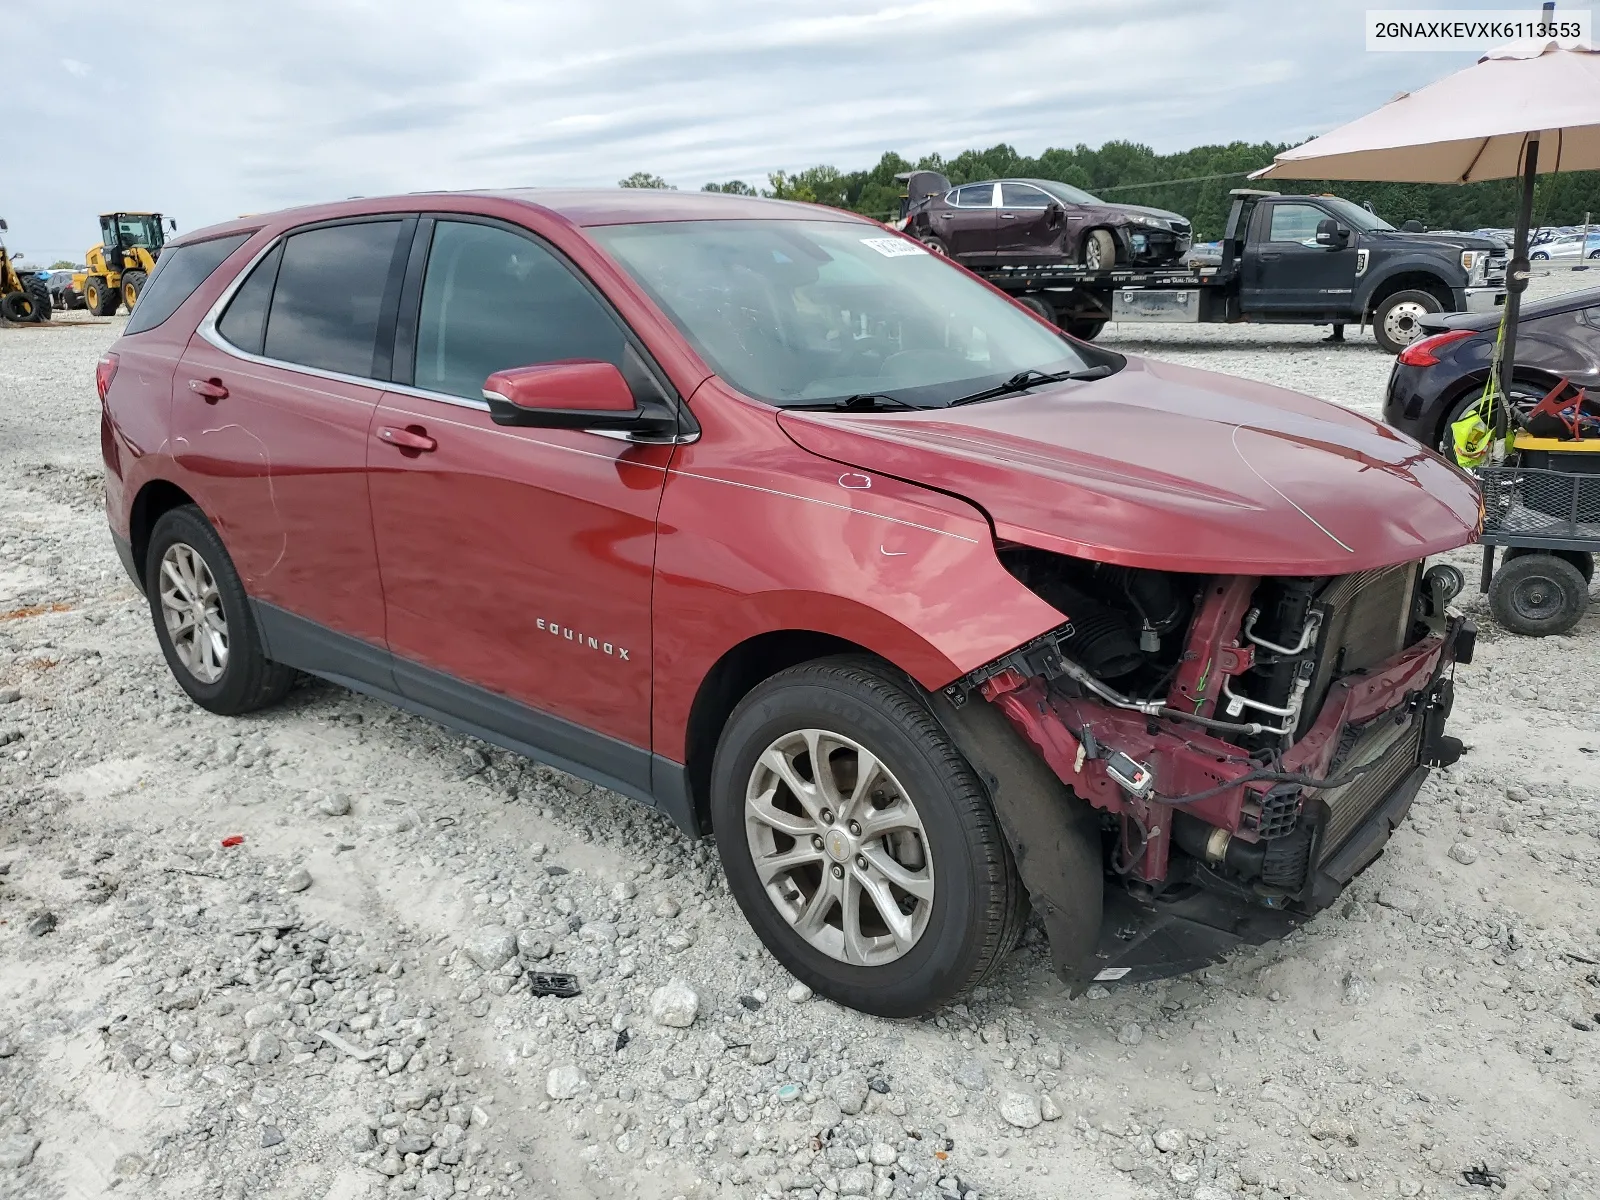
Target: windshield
[[1065, 191], [1355, 216], [802, 312], [140, 229]]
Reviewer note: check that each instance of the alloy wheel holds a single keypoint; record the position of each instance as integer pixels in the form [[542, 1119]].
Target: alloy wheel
[[191, 605], [839, 847]]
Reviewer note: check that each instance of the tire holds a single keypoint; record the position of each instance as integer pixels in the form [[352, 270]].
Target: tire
[[132, 285], [950, 841], [1085, 329], [936, 246], [99, 298], [1539, 256], [1521, 390], [184, 551], [1538, 595], [17, 307], [1038, 304], [1394, 321], [1581, 559], [1594, 254], [1099, 250], [43, 307]]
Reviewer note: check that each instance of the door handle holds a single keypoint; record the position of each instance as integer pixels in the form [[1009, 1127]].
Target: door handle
[[1008, 216], [211, 389], [407, 439], [1270, 257]]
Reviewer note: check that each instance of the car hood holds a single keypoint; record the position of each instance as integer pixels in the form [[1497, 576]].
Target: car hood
[[1174, 469], [1145, 211], [1438, 241]]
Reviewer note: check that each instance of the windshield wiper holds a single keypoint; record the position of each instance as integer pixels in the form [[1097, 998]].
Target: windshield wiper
[[856, 403], [1023, 380]]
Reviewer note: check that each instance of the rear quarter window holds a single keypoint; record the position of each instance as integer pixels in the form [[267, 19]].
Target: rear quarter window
[[179, 271]]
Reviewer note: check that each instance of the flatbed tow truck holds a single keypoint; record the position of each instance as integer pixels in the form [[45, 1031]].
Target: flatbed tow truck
[[1304, 260]]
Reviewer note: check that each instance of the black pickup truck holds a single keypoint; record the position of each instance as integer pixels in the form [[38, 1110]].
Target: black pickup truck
[[1307, 260]]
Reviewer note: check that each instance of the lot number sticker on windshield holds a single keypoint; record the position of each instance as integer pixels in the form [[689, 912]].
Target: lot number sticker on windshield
[[893, 247]]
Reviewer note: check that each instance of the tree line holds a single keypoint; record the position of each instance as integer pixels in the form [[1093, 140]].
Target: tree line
[[1192, 182]]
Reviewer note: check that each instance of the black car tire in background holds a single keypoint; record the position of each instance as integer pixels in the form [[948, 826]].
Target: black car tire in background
[[936, 246], [1085, 329], [1394, 321], [132, 285], [1038, 304], [1581, 559], [16, 307]]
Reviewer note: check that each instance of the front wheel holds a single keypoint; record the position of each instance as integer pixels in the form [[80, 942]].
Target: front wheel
[[132, 285], [203, 619], [936, 246], [1085, 329], [1100, 250], [859, 843], [1397, 322]]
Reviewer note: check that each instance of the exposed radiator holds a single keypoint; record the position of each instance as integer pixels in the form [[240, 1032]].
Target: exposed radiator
[[1396, 750], [1368, 615]]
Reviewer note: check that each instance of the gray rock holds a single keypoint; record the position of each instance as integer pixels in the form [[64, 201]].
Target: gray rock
[[16, 1150], [850, 1091], [1357, 988], [626, 890], [297, 880], [531, 945], [1130, 1034], [414, 1143], [1170, 1141], [667, 908], [1202, 1083], [40, 923], [761, 1053], [883, 1155], [1207, 1191], [1021, 1109], [1399, 899], [490, 946], [564, 1082], [798, 993], [674, 1005], [1049, 1107], [390, 1164], [180, 1054], [266, 1014], [1464, 854], [10, 695], [855, 1182], [263, 1047], [971, 1075], [1518, 794], [1123, 1161], [271, 1135], [337, 805]]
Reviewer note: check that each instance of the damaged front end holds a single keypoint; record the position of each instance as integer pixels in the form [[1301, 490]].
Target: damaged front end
[[1247, 743]]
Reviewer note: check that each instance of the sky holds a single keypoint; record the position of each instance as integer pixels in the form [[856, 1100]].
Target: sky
[[206, 110]]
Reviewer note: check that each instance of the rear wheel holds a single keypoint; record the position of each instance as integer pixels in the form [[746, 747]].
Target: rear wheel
[[1038, 304], [937, 246], [858, 841], [1084, 328], [1396, 322], [1523, 397], [132, 285], [203, 619], [1538, 594], [1581, 559], [1100, 250]]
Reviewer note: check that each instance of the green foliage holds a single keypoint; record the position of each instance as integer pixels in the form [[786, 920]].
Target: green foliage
[[643, 179], [734, 187], [63, 264], [1193, 182]]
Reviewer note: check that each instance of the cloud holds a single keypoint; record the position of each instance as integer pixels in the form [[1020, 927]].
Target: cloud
[[242, 108]]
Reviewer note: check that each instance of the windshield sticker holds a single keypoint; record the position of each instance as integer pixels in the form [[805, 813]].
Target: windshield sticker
[[893, 247]]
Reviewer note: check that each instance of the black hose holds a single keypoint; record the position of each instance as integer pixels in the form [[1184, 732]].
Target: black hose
[[1306, 781]]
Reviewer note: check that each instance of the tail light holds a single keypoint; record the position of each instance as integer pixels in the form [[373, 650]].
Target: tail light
[[104, 372], [1424, 353]]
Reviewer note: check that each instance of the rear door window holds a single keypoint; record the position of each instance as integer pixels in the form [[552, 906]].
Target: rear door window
[[1021, 195], [328, 300], [179, 271], [975, 195], [493, 299], [244, 323]]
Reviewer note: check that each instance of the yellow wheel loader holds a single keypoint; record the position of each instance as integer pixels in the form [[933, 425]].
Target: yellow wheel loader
[[24, 294], [130, 244]]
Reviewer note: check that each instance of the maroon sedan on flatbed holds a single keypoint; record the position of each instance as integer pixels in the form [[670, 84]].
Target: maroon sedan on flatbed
[[775, 521]]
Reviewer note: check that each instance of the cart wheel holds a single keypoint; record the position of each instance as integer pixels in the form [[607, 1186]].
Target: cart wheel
[[1538, 594], [1038, 304], [1581, 559]]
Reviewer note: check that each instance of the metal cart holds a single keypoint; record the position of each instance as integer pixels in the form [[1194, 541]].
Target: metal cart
[[1549, 522]]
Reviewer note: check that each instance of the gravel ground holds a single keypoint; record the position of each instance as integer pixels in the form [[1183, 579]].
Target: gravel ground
[[341, 1004]]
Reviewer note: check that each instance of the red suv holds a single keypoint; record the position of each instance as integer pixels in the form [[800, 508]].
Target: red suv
[[769, 518]]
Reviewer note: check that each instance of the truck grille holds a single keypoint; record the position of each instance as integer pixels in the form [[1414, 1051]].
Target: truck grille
[[1396, 749]]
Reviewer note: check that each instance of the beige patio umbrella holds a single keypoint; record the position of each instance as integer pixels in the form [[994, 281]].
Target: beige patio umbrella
[[1518, 111]]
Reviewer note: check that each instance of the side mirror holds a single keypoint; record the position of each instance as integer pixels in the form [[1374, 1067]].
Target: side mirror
[[571, 394], [1413, 226], [1332, 234], [172, 224], [3, 225]]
